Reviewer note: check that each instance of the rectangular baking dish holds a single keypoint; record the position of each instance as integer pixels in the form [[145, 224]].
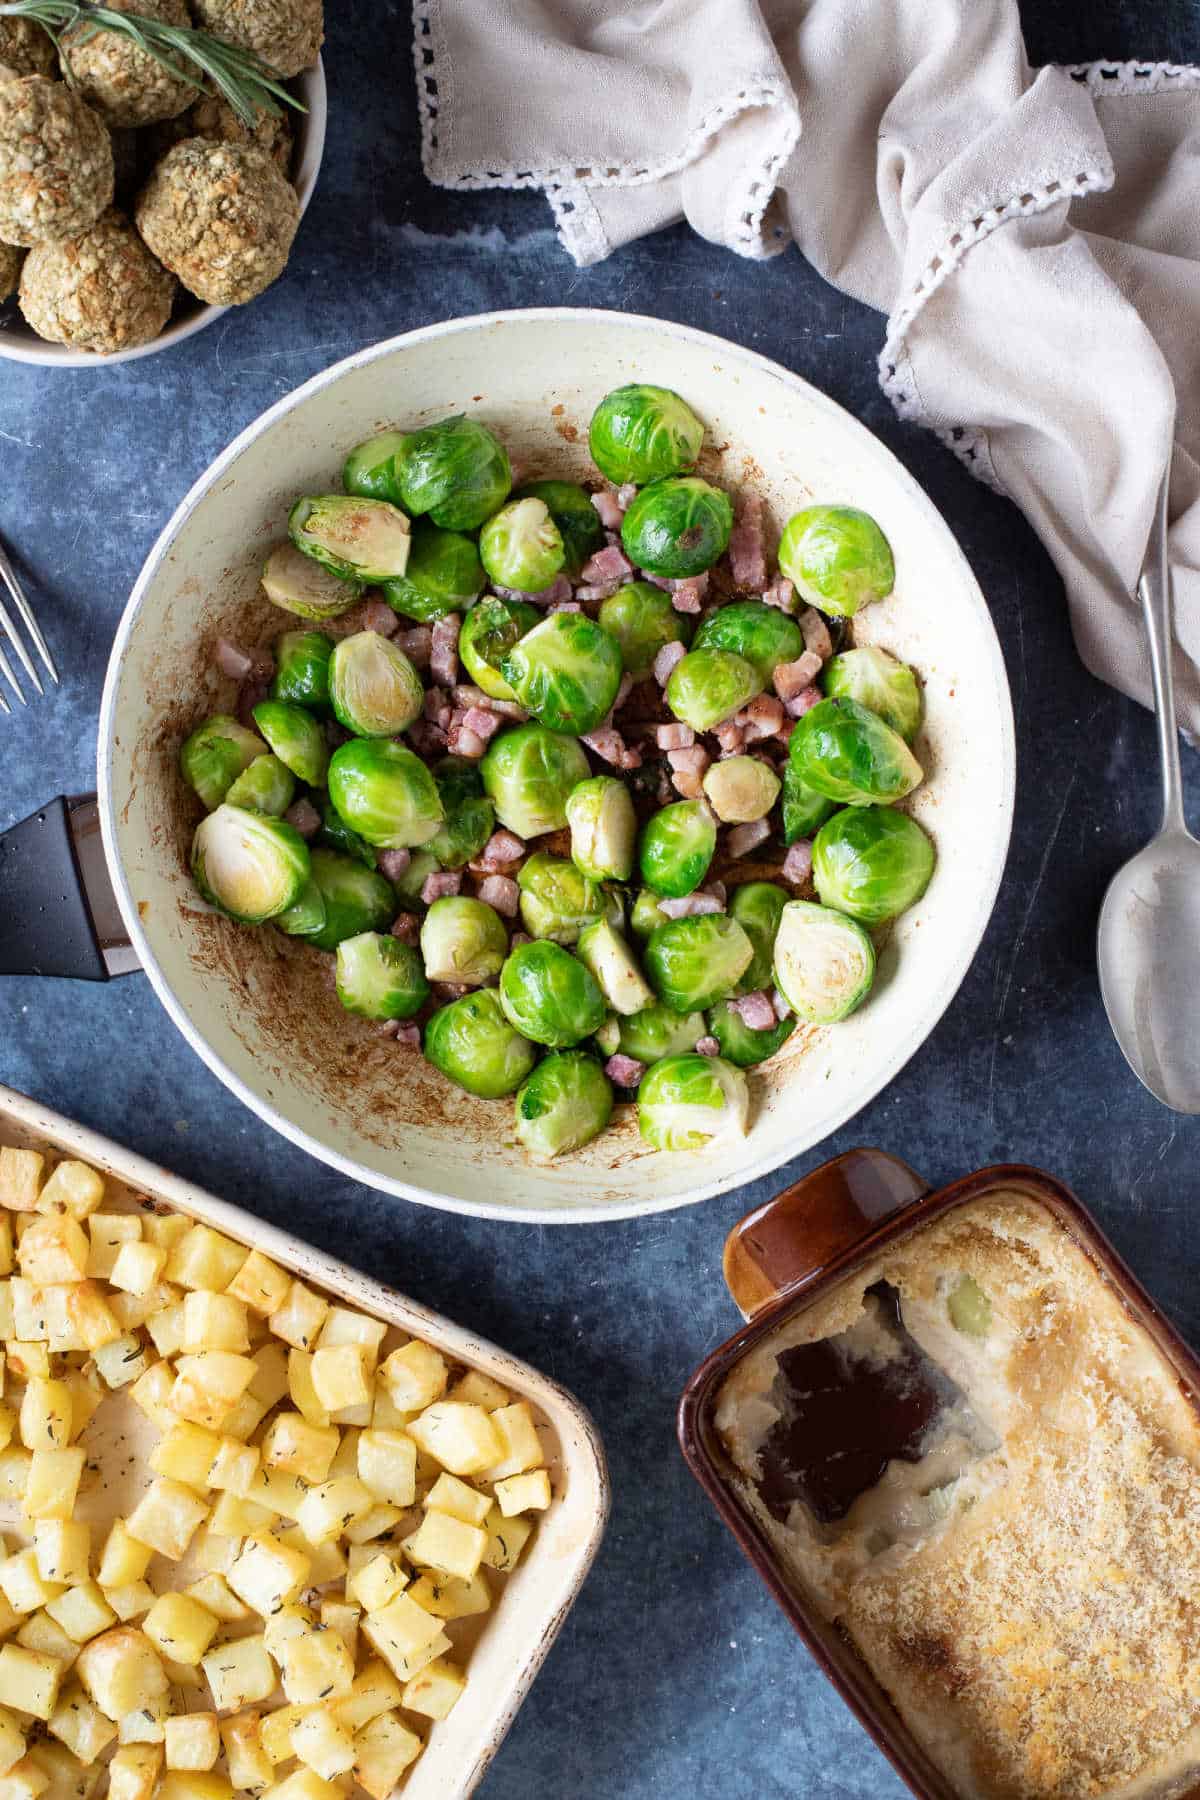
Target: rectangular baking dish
[[792, 1252], [516, 1635]]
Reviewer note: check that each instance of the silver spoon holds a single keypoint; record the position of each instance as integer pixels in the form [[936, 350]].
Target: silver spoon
[[1148, 941]]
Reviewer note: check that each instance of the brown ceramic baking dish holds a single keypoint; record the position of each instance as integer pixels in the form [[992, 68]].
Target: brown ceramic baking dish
[[792, 1252]]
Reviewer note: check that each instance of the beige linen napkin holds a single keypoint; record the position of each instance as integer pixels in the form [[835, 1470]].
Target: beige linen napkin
[[1033, 235]]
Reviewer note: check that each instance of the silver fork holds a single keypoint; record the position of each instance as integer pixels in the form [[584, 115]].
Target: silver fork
[[9, 581]]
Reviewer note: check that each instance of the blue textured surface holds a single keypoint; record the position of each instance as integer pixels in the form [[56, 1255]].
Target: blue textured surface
[[675, 1673]]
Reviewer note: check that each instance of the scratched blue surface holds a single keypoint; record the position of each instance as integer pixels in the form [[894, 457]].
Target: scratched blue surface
[[674, 1674]]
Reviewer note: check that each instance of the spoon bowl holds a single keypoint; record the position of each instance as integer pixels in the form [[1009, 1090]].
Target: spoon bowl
[[1149, 956]]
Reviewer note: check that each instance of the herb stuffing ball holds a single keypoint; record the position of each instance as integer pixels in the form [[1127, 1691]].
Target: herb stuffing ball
[[101, 291], [25, 49], [56, 162], [221, 217], [215, 118], [125, 84], [287, 34]]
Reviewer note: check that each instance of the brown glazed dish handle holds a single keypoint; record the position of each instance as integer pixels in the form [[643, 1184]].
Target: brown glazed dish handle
[[817, 1219]]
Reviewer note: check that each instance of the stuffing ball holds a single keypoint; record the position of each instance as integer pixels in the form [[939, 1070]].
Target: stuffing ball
[[25, 49], [215, 118], [221, 217], [10, 269], [125, 84], [56, 162], [101, 291], [287, 34]]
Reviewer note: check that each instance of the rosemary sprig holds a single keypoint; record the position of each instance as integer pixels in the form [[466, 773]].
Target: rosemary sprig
[[239, 76]]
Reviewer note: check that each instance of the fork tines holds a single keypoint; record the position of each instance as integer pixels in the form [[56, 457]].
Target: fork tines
[[9, 630]]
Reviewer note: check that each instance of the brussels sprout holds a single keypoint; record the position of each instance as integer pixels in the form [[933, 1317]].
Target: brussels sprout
[[557, 899], [693, 963], [566, 671], [642, 433], [741, 789], [266, 787], [385, 793], [824, 962], [444, 575], [608, 1039], [603, 828], [521, 546], [307, 916], [456, 471], [641, 618], [356, 899], [878, 682], [577, 519], [706, 687], [528, 774], [473, 1044], [803, 808], [686, 1101], [566, 1102], [647, 914], [374, 688], [370, 468], [850, 755], [250, 866], [335, 834], [356, 540], [676, 847], [296, 739], [298, 585], [302, 669], [379, 977], [549, 995], [871, 862], [422, 864], [463, 940], [488, 633], [215, 754], [739, 1042], [677, 527], [657, 1031], [761, 634], [837, 557], [605, 952], [470, 816], [757, 907]]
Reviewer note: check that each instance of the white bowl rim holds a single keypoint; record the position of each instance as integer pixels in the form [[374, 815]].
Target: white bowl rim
[[607, 1212], [26, 347]]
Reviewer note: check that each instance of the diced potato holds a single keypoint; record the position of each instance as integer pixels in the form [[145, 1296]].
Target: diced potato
[[305, 1784], [344, 1325], [329, 1508], [379, 1521], [24, 1586], [53, 1483], [121, 1671], [340, 1377], [302, 1390], [448, 1598], [262, 1284], [203, 1258], [522, 1447], [387, 1466], [166, 1328], [15, 1465], [27, 1357], [506, 1540], [214, 1322], [122, 1360], [138, 1267], [385, 1414], [345, 1461], [6, 1244], [133, 1772], [165, 1228], [342, 1617], [478, 1389], [375, 1691], [106, 1233], [180, 1627], [276, 1732], [443, 1542], [377, 1582], [316, 1666], [270, 1381], [147, 1724], [174, 1786], [166, 1517], [284, 1624], [415, 1376], [192, 1742], [268, 1574], [87, 1393], [234, 1466], [7, 1324], [291, 1443], [400, 1631], [75, 1188], [40, 1634], [124, 1558], [8, 1423], [46, 1415], [82, 1611], [62, 1548], [213, 1553], [524, 1493], [243, 1418], [26, 1779], [235, 1517], [152, 1393], [463, 1438], [435, 1691], [382, 1751], [12, 1741], [54, 1248], [79, 1724], [328, 1562], [208, 1384], [239, 1673], [298, 1321], [28, 1310], [20, 1178], [131, 1600], [186, 1454], [69, 1778], [214, 1592], [248, 1763], [450, 1495], [29, 1680], [321, 1743]]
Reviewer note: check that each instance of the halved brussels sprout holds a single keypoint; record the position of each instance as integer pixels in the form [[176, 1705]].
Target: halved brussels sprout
[[557, 899], [473, 1045], [676, 848], [741, 789], [692, 963], [250, 866], [213, 757], [739, 1042], [356, 540], [684, 1102], [647, 914], [379, 977], [374, 688], [444, 575], [356, 899], [266, 786], [758, 906], [871, 862], [804, 810], [470, 816], [824, 962], [761, 634], [296, 739], [307, 915], [642, 619], [677, 527], [838, 558], [577, 520], [605, 952], [850, 755], [566, 671], [880, 683], [706, 687], [302, 669], [969, 1307], [488, 633], [463, 940], [385, 793], [456, 471], [521, 546], [549, 995], [608, 1038], [657, 1031], [641, 433], [603, 828], [370, 469], [528, 774], [422, 864], [298, 585], [565, 1103], [335, 834]]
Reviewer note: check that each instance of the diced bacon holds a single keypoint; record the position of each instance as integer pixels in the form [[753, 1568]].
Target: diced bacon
[[756, 1011], [708, 1046], [803, 702], [502, 892], [688, 596], [409, 1036], [379, 617], [251, 694], [687, 784], [609, 564], [482, 721], [559, 589], [690, 906], [693, 757], [440, 884], [450, 990], [231, 659], [816, 633], [730, 736], [386, 1028], [624, 1071], [674, 737], [502, 848], [745, 838], [465, 695], [519, 937], [658, 581], [717, 889], [443, 649], [780, 1006], [606, 743], [665, 661], [303, 817], [593, 590], [393, 863], [609, 507], [762, 718], [407, 927], [797, 864], [437, 706], [624, 689], [782, 594], [416, 645], [465, 742], [573, 605], [426, 738], [626, 495], [747, 560], [791, 678]]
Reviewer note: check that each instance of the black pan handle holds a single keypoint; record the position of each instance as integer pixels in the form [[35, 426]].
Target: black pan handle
[[58, 913]]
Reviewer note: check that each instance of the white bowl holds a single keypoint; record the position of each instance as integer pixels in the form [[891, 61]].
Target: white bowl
[[19, 343], [251, 1003]]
